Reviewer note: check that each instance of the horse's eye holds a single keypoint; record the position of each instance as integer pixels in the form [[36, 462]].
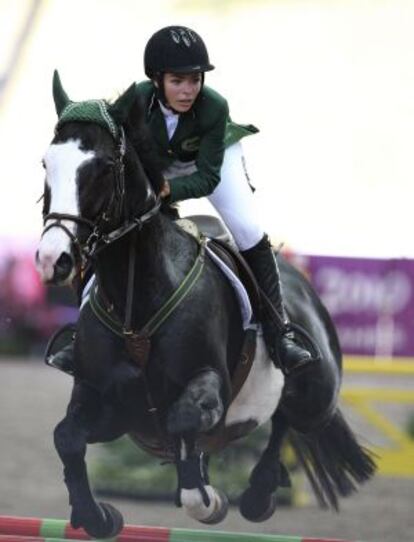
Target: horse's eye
[[43, 164]]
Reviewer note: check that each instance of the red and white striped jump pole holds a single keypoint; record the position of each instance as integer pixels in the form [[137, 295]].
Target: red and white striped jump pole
[[21, 529]]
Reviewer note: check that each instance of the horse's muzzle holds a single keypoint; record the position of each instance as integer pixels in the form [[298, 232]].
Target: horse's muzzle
[[55, 271]]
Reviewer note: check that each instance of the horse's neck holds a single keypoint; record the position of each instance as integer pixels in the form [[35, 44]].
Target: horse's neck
[[163, 256]]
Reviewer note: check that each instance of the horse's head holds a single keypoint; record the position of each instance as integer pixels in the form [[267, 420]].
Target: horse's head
[[94, 184]]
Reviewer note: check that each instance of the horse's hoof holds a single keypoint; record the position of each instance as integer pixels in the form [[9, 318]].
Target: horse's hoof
[[108, 525], [255, 507], [114, 520], [221, 510]]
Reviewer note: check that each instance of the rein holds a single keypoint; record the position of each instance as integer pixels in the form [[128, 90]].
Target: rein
[[103, 240]]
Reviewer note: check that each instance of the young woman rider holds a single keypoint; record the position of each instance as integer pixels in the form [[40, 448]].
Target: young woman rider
[[201, 154]]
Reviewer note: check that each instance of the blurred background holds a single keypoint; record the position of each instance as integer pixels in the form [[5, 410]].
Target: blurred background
[[330, 84]]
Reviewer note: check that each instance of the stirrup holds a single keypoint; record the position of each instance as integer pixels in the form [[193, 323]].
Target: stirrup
[[304, 339]]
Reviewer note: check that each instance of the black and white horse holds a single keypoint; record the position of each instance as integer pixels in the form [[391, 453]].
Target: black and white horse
[[101, 205]]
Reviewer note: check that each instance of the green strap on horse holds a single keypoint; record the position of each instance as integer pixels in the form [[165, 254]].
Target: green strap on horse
[[105, 312]]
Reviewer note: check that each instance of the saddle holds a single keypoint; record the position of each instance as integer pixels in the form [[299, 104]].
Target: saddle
[[222, 244]]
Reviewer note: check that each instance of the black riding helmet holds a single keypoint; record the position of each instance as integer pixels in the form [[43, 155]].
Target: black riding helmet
[[176, 49]]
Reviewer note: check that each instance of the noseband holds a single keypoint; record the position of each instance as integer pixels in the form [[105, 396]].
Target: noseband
[[97, 239]]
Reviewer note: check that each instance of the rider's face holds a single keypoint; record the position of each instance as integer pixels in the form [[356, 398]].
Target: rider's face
[[181, 90]]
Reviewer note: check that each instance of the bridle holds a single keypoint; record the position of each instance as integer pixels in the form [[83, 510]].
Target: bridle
[[98, 237]]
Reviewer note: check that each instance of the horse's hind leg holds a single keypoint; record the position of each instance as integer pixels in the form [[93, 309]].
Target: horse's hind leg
[[71, 437], [198, 410], [258, 502]]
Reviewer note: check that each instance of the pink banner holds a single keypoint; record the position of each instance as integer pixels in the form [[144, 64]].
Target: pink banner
[[370, 300]]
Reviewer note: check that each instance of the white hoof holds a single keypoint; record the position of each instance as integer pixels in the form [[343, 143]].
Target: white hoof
[[192, 501], [221, 510]]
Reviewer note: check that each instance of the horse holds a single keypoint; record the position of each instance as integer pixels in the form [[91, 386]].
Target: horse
[[156, 357]]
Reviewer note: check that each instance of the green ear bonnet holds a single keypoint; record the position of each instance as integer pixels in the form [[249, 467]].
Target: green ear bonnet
[[95, 111]]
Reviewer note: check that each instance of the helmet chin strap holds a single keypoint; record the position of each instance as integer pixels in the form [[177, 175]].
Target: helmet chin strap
[[158, 81]]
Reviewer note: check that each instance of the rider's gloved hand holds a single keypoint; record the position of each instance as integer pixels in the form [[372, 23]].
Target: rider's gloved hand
[[165, 190]]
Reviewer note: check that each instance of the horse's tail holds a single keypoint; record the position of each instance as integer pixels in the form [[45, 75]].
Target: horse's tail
[[334, 462]]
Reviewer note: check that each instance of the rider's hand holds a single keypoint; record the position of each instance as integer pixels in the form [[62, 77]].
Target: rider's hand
[[165, 190]]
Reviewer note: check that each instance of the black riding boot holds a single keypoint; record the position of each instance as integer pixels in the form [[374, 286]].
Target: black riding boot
[[63, 359], [280, 342]]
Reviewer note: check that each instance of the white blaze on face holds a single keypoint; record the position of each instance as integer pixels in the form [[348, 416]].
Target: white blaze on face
[[62, 162]]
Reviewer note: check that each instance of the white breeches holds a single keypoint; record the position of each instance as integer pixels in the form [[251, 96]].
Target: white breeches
[[232, 198]]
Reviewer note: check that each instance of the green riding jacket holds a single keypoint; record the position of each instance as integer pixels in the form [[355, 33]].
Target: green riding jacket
[[202, 134]]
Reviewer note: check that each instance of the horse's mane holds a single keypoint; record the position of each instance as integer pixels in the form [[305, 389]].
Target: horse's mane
[[139, 136]]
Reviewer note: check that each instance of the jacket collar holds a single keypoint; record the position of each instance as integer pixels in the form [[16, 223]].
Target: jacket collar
[[156, 119]]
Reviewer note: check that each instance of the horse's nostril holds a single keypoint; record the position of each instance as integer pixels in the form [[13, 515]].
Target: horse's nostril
[[63, 266]]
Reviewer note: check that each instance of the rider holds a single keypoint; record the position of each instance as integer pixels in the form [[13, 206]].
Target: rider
[[200, 152]]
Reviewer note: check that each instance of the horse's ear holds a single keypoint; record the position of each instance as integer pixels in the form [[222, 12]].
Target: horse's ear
[[120, 109], [59, 95]]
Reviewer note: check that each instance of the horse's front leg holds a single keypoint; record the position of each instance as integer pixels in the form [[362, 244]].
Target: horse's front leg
[[197, 411], [100, 520]]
